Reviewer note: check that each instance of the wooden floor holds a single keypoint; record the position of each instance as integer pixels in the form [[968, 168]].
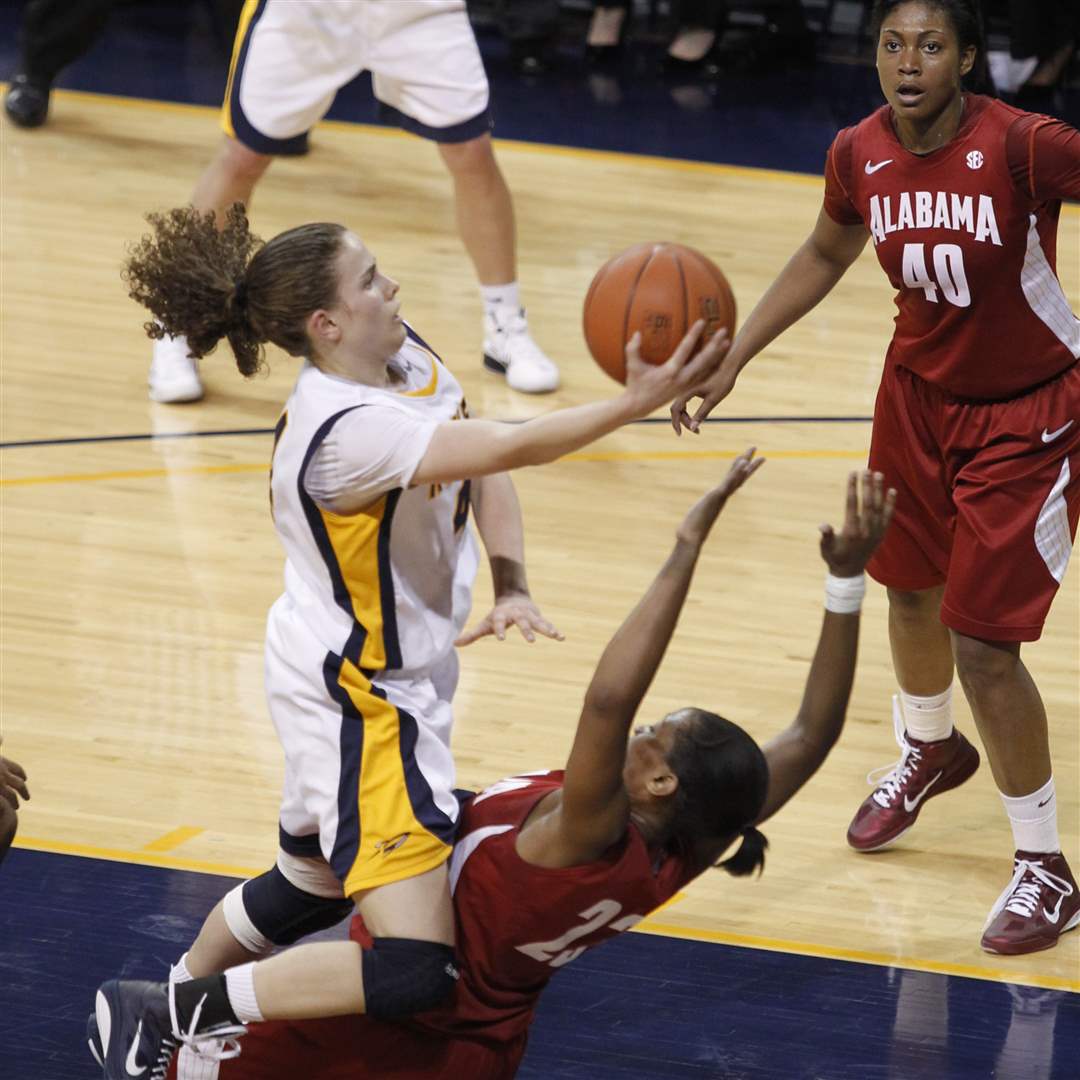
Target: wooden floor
[[137, 574]]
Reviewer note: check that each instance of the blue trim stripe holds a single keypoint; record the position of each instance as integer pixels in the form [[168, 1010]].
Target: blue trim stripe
[[351, 749], [304, 847], [455, 133], [391, 642], [315, 520], [420, 795], [246, 132]]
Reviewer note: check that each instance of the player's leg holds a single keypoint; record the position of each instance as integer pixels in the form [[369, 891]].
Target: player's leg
[[428, 75], [1018, 503], [278, 45], [911, 562]]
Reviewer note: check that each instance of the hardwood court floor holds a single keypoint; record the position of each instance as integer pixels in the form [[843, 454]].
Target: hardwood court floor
[[137, 574]]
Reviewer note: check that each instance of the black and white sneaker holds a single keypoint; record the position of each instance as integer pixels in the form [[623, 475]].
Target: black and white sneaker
[[134, 1032]]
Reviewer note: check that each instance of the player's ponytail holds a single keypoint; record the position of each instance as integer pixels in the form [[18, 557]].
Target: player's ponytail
[[209, 283], [723, 778], [967, 22], [750, 857]]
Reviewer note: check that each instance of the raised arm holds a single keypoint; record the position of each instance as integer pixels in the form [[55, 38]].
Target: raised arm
[[471, 448], [593, 811], [809, 276], [797, 752]]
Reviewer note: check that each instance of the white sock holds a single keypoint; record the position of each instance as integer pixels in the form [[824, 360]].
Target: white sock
[[928, 719], [179, 973], [501, 302], [1034, 819], [240, 986]]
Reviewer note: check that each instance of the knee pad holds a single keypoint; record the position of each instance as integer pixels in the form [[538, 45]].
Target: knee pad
[[403, 976], [270, 910]]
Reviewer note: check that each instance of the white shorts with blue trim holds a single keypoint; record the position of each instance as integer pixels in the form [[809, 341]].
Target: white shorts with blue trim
[[292, 56]]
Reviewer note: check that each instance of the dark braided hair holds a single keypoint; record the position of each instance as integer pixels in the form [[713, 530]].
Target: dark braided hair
[[967, 23], [209, 283], [723, 780]]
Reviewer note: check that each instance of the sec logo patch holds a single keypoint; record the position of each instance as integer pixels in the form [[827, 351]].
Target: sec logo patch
[[975, 159]]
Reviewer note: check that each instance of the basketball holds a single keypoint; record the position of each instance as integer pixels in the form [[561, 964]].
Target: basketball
[[661, 289]]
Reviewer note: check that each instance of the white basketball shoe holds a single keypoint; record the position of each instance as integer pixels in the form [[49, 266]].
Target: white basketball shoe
[[174, 375], [509, 350]]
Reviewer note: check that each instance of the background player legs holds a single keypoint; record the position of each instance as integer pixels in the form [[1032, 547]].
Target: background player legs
[[485, 210], [1008, 712], [921, 649], [54, 34], [485, 216], [229, 178]]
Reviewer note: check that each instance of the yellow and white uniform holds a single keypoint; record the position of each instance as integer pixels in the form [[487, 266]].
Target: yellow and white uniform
[[360, 661], [292, 56]]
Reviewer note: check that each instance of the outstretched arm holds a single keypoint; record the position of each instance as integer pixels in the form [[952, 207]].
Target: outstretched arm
[[471, 448], [593, 811], [809, 276], [498, 520], [796, 753]]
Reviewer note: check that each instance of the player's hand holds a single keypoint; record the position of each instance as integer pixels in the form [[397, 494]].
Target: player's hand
[[865, 523], [514, 609], [699, 520], [652, 385], [711, 391], [12, 782]]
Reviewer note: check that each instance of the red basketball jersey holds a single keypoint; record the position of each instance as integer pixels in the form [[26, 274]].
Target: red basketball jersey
[[517, 924], [967, 236]]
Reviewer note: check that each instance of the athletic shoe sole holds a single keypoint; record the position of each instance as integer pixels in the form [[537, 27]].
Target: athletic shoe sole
[[1020, 949]]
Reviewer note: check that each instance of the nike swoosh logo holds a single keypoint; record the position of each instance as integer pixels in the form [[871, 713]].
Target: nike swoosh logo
[[910, 804], [132, 1067], [1044, 802], [871, 169], [1050, 436], [1053, 917]]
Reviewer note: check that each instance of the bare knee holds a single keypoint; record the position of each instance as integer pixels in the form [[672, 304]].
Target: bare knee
[[984, 665], [475, 157], [915, 607]]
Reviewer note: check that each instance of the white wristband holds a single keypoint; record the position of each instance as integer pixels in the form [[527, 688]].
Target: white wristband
[[844, 595]]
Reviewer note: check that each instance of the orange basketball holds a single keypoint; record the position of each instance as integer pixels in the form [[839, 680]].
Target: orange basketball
[[659, 289]]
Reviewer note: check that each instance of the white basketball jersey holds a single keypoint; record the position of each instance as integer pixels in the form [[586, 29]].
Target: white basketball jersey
[[388, 585]]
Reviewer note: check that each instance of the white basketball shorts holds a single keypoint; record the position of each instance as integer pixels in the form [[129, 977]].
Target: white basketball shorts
[[292, 56]]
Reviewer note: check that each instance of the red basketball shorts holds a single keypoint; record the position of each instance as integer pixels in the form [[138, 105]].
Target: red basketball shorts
[[988, 496]]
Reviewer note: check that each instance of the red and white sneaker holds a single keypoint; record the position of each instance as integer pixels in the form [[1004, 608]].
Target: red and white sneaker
[[925, 769], [1040, 903]]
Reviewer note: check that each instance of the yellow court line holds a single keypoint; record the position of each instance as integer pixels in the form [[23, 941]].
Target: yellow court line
[[675, 164], [134, 474], [860, 956], [799, 948], [172, 840], [611, 455], [140, 858]]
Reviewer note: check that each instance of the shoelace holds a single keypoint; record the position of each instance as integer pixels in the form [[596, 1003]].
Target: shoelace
[[1022, 897], [165, 1056], [889, 779], [218, 1043]]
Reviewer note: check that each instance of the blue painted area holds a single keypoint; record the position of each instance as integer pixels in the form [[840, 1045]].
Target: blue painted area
[[641, 1007]]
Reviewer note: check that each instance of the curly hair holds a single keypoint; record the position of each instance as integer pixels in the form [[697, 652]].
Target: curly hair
[[209, 283]]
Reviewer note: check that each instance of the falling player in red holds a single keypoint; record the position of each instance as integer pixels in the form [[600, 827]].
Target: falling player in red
[[977, 425], [549, 864]]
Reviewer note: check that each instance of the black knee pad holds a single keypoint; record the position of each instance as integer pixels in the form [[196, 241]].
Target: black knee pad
[[403, 976], [284, 914]]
